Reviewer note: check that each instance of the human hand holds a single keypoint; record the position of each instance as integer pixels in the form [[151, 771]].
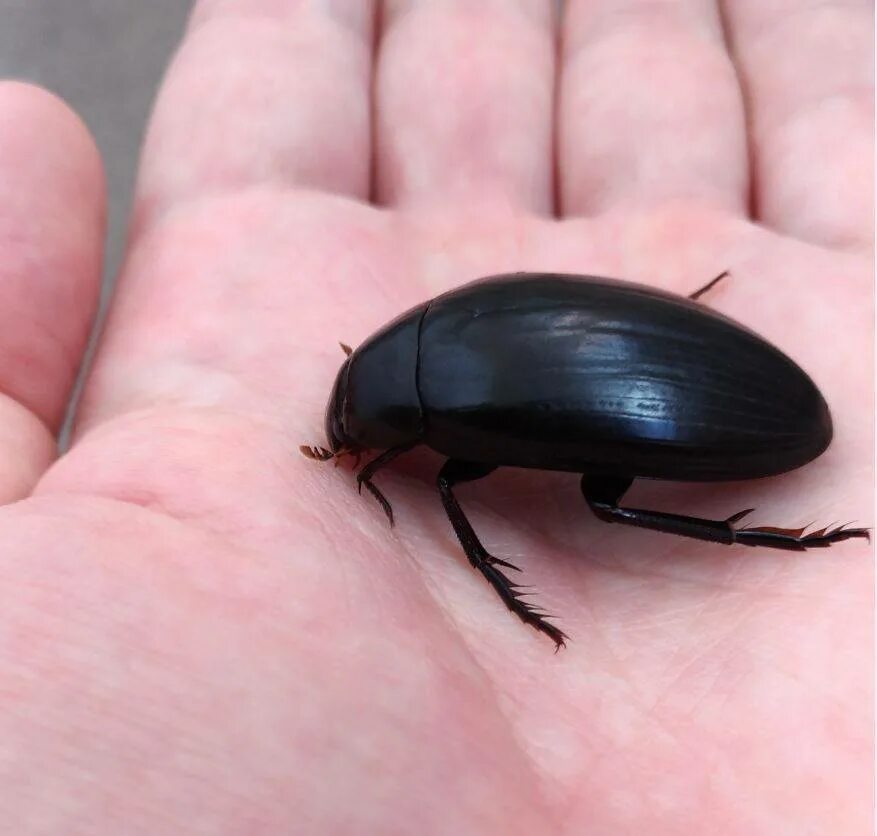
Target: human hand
[[203, 631]]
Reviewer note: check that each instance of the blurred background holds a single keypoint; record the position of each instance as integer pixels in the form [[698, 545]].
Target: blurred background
[[104, 57]]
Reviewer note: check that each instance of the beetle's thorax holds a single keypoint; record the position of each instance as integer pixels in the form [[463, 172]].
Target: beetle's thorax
[[375, 403]]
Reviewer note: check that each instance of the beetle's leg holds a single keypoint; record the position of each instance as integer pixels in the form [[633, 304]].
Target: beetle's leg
[[363, 478], [709, 285], [794, 539], [458, 471], [603, 495]]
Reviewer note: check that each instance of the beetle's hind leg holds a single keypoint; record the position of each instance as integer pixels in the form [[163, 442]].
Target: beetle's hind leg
[[794, 539], [604, 493], [363, 478], [453, 472]]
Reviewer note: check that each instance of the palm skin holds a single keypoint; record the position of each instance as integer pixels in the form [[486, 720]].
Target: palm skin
[[204, 630]]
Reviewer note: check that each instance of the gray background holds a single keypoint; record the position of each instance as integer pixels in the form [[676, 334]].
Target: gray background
[[104, 57]]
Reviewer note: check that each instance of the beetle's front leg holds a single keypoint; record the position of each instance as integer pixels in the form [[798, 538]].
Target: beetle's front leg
[[363, 478], [603, 495], [458, 471]]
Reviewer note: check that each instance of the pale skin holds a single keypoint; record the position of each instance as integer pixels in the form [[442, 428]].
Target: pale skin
[[202, 629]]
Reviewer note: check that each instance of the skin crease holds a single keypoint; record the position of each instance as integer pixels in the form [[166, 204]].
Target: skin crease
[[203, 630]]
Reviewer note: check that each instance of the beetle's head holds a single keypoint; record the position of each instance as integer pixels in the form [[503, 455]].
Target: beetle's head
[[374, 403], [338, 439]]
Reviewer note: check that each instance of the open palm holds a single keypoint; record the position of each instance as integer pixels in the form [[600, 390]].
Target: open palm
[[204, 632]]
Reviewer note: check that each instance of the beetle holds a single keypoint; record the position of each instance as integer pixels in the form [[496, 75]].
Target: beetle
[[595, 376]]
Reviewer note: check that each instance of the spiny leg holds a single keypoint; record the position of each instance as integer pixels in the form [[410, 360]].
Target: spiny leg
[[709, 285], [363, 478], [452, 473], [604, 493]]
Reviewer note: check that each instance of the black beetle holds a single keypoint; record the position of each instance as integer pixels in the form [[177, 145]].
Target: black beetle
[[606, 378]]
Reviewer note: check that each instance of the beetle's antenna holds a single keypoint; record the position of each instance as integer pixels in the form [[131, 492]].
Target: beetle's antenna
[[320, 454], [709, 286], [346, 349]]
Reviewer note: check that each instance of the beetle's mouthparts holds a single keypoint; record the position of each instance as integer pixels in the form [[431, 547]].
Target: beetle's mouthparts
[[356, 452]]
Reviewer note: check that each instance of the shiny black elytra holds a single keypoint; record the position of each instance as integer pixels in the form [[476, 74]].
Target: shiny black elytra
[[575, 373]]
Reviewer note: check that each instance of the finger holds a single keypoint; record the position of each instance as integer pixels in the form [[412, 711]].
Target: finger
[[464, 103], [51, 237], [263, 93], [650, 108], [808, 70]]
